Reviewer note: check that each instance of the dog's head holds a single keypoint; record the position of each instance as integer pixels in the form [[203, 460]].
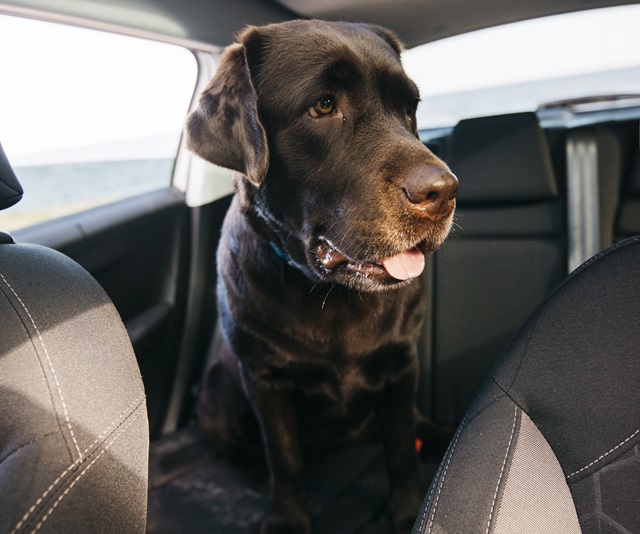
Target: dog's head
[[319, 118]]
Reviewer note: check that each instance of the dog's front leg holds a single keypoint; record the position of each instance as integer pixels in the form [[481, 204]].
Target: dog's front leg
[[289, 502], [396, 416]]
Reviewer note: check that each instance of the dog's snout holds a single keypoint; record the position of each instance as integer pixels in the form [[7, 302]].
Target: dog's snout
[[430, 191]]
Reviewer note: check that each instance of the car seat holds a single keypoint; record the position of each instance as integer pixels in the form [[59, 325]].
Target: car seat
[[551, 442], [73, 434]]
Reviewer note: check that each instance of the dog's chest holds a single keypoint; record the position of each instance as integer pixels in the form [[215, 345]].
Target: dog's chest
[[337, 387], [331, 347], [337, 358], [346, 325]]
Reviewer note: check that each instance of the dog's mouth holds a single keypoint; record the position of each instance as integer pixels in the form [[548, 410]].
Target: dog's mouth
[[398, 267]]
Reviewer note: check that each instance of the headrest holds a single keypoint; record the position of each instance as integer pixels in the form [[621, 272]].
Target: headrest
[[10, 189], [502, 159]]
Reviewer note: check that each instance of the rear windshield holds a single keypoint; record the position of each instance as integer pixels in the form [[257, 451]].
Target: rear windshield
[[525, 65]]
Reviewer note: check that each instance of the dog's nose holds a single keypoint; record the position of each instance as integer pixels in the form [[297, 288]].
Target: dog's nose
[[430, 191]]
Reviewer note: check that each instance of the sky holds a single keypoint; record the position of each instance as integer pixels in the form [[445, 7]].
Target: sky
[[552, 47], [65, 87]]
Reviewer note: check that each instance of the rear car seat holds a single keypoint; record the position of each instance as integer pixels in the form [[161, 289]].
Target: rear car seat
[[506, 253]]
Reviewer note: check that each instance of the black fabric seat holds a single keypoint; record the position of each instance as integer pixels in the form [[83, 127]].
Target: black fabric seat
[[551, 443], [507, 251], [73, 434]]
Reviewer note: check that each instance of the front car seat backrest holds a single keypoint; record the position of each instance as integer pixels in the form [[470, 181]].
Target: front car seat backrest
[[551, 443], [74, 433]]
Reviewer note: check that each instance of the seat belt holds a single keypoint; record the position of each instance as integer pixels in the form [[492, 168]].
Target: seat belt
[[583, 207]]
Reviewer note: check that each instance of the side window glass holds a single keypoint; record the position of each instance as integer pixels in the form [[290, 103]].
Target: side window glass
[[87, 117]]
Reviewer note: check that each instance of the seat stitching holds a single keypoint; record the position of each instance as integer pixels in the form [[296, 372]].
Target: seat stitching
[[504, 464], [605, 454], [73, 483], [40, 360], [432, 515], [53, 371], [427, 505], [137, 402], [452, 446]]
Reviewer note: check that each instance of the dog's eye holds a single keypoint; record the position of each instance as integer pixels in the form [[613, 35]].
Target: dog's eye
[[412, 106], [325, 106]]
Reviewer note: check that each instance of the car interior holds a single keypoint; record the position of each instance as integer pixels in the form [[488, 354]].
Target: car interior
[[542, 191]]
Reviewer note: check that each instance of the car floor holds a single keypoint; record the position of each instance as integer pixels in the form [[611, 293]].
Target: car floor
[[192, 491]]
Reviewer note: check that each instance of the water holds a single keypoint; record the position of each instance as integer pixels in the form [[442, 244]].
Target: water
[[59, 189]]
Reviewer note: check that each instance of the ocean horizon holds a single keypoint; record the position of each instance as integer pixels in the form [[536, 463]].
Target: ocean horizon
[[53, 190]]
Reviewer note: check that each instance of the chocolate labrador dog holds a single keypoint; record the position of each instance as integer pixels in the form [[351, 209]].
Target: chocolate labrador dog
[[319, 289]]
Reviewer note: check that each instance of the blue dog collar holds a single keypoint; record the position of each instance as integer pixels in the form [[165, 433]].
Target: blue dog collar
[[279, 253]]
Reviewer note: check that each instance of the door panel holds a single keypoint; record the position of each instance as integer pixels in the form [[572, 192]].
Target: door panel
[[138, 250]]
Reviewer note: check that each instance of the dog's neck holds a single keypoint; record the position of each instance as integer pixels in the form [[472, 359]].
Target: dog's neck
[[266, 232]]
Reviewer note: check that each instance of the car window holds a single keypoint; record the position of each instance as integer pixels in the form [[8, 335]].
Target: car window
[[87, 117], [522, 66]]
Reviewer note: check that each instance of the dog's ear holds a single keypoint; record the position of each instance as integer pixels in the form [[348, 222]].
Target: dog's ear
[[225, 128], [391, 38]]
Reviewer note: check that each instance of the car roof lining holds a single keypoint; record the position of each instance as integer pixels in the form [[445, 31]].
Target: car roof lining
[[209, 22]]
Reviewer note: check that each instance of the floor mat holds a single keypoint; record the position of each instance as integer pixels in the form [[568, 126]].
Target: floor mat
[[191, 491]]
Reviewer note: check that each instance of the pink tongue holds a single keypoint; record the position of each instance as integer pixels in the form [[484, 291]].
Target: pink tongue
[[407, 264]]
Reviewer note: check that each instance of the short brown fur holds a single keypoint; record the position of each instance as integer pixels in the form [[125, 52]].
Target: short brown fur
[[318, 355]]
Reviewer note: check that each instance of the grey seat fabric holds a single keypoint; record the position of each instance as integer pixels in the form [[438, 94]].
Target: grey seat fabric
[[552, 442], [507, 251], [73, 433]]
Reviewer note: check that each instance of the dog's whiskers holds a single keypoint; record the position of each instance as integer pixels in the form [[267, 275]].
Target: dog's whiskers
[[344, 236], [333, 224], [327, 296]]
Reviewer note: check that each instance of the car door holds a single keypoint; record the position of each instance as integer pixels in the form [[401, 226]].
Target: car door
[[92, 126]]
